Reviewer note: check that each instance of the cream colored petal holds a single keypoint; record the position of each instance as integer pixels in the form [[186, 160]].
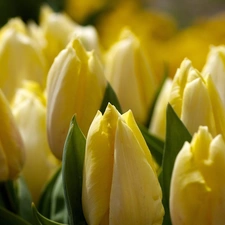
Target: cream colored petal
[[158, 121], [178, 85], [217, 107], [197, 107], [61, 91], [215, 66], [135, 193], [10, 140], [20, 58], [128, 71], [98, 166], [189, 194], [30, 115]]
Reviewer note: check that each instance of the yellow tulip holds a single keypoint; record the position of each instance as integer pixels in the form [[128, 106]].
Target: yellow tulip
[[20, 58], [158, 120], [128, 71], [197, 194], [196, 100], [59, 29], [29, 109], [12, 152], [76, 85], [215, 66], [127, 190]]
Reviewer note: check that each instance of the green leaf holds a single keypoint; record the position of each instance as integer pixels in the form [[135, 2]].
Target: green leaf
[[154, 144], [59, 211], [9, 218], [176, 135], [25, 200], [72, 171], [45, 202], [41, 220], [110, 96], [8, 196]]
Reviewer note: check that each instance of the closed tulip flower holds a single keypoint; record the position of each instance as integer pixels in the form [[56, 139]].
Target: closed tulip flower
[[215, 66], [76, 85], [196, 100], [129, 72], [29, 109], [59, 29], [197, 194], [127, 190], [20, 58], [158, 121], [12, 152]]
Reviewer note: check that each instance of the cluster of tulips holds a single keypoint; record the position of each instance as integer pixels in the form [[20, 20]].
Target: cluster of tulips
[[112, 128]]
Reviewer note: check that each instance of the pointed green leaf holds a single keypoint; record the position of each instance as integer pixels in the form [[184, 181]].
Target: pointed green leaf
[[72, 171], [110, 96], [25, 200], [176, 135], [9, 218], [41, 220], [45, 202], [155, 145]]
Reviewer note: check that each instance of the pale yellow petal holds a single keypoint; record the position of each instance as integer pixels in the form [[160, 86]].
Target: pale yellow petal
[[197, 107], [98, 166], [10, 140], [189, 194], [61, 91], [136, 193]]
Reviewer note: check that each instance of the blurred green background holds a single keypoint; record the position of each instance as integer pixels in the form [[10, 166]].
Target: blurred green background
[[26, 9]]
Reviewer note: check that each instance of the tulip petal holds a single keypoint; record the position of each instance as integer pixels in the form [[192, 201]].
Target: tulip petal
[[197, 108], [189, 193], [11, 140], [135, 193], [98, 166]]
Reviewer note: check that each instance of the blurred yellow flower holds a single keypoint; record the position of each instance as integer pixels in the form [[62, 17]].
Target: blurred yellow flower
[[196, 100], [197, 193], [76, 85], [128, 71], [127, 190], [12, 152], [59, 29], [80, 11], [29, 109], [20, 58], [152, 28], [193, 42]]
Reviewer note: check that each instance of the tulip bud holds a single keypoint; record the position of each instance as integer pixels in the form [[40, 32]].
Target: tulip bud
[[59, 29], [128, 191], [12, 154], [197, 193], [76, 85], [215, 66], [29, 108], [158, 121], [196, 100], [130, 75], [20, 58]]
